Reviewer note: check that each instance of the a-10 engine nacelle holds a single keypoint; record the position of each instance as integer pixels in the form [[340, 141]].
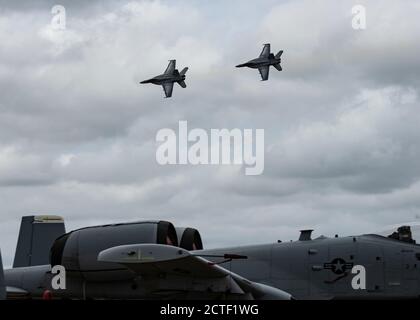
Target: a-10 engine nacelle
[[78, 250], [189, 239]]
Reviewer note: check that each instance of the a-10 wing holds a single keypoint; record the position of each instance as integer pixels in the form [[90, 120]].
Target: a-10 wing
[[167, 268]]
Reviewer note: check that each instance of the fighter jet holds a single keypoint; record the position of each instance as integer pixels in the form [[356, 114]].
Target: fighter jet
[[168, 78], [264, 61], [155, 260]]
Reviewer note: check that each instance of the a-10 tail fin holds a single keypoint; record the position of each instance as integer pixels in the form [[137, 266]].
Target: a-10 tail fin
[[36, 236], [2, 283]]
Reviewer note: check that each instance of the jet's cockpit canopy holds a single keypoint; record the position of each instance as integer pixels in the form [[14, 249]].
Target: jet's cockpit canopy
[[404, 234]]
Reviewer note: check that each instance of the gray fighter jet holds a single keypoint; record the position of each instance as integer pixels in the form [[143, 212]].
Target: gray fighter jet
[[155, 260], [168, 78], [264, 61]]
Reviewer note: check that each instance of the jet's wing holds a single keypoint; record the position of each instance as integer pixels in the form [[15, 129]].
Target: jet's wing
[[171, 67], [185, 272], [168, 87], [264, 71], [265, 51]]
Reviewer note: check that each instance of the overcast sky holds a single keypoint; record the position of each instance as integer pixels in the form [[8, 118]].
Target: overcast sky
[[342, 138]]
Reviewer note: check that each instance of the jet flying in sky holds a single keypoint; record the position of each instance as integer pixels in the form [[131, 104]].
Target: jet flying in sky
[[168, 78], [264, 61]]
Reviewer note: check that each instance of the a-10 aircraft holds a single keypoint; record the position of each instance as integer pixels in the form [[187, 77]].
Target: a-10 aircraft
[[168, 78], [155, 260]]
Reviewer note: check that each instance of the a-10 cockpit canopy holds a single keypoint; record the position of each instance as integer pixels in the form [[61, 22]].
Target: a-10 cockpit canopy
[[404, 234]]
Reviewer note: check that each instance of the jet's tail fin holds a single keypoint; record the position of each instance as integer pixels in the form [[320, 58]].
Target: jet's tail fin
[[278, 55], [278, 66], [36, 236], [2, 282], [184, 71], [182, 83]]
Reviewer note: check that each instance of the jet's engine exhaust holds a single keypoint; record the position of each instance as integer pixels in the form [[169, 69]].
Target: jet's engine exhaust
[[189, 239]]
